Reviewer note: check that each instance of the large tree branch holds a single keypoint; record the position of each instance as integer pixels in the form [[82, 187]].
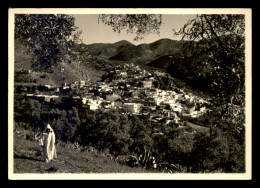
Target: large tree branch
[[217, 39], [212, 30]]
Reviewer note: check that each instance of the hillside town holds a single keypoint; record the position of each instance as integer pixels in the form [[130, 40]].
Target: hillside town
[[130, 90]]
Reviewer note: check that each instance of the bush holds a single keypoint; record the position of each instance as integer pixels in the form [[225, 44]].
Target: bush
[[29, 137], [106, 130]]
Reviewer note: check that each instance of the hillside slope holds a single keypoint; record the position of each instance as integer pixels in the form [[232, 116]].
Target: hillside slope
[[27, 159], [149, 51], [22, 59], [126, 51], [107, 49], [162, 62], [71, 72]]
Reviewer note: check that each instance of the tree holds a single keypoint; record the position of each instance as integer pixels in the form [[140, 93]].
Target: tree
[[141, 133], [180, 149], [23, 111], [140, 24], [36, 114], [69, 131], [236, 159], [218, 152], [220, 39], [51, 38], [106, 131]]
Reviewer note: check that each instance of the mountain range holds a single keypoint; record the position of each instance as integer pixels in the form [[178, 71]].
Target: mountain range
[[126, 51], [102, 57]]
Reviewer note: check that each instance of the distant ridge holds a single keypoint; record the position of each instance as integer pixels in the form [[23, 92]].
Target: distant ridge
[[126, 51], [149, 51], [108, 49]]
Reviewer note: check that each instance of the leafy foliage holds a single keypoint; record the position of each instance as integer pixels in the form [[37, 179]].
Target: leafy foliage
[[140, 24], [51, 38], [141, 132], [217, 42], [106, 130]]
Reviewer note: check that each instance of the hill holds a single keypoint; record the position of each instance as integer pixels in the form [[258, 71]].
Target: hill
[[22, 59], [68, 73], [186, 67], [107, 49], [126, 51], [147, 52], [162, 62], [27, 159]]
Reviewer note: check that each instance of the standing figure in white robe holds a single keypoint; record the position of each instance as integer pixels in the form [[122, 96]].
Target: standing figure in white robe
[[48, 138]]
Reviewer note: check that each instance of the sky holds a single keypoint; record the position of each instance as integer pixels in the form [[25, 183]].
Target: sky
[[94, 32]]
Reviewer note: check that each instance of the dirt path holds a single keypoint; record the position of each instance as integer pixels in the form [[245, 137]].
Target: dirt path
[[197, 127]]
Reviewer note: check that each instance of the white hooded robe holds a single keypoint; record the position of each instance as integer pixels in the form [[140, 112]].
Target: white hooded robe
[[49, 150]]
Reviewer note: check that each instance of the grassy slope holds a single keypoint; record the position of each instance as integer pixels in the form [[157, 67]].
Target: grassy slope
[[72, 72], [22, 59], [69, 160]]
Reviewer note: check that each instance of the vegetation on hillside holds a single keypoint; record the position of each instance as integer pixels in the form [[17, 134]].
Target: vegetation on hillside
[[71, 159], [147, 52], [136, 139], [65, 73], [51, 38]]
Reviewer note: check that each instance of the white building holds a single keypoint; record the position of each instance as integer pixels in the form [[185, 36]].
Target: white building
[[112, 97], [177, 108], [123, 73], [84, 100], [158, 100], [171, 102], [94, 103], [195, 114], [203, 109], [147, 84], [48, 98], [132, 107], [82, 83]]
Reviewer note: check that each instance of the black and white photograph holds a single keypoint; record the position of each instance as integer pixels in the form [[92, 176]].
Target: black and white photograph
[[129, 93]]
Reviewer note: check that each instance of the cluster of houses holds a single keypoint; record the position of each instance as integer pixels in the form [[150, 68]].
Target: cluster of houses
[[130, 90]]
